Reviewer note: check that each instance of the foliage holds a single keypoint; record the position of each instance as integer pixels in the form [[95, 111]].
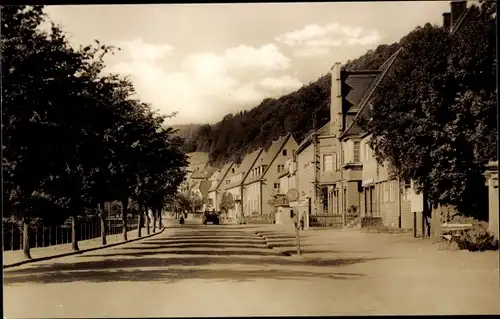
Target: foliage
[[237, 134], [478, 239], [432, 118], [75, 137], [227, 202]]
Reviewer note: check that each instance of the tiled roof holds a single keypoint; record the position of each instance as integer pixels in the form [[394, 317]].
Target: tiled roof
[[196, 158], [245, 167], [222, 174], [204, 187], [269, 156], [354, 128], [461, 19], [358, 83]]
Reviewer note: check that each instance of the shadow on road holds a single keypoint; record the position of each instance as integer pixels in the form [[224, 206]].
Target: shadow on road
[[215, 256], [174, 275]]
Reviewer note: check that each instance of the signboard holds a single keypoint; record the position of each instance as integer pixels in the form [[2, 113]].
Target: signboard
[[293, 195]]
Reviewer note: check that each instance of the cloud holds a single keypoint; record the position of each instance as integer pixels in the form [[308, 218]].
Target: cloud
[[139, 50], [206, 86], [284, 82], [316, 40]]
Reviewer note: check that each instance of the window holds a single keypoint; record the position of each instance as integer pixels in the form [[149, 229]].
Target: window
[[227, 181], [284, 152], [232, 170], [281, 168], [327, 163], [356, 152], [276, 185]]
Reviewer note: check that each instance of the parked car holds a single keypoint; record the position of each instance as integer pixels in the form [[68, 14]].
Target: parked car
[[210, 218]]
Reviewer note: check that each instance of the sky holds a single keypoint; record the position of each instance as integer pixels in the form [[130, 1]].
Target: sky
[[207, 60]]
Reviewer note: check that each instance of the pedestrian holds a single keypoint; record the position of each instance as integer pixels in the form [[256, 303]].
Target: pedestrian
[[181, 221]]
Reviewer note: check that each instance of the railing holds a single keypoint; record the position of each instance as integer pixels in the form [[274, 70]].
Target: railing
[[45, 236], [333, 221], [260, 219]]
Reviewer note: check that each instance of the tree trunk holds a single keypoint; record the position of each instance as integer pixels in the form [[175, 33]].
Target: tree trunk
[[124, 219], [26, 238], [148, 230], [160, 224], [103, 224], [74, 238], [155, 212], [139, 220], [427, 213]]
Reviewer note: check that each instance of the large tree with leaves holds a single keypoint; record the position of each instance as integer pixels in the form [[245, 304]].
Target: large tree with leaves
[[35, 65], [433, 120]]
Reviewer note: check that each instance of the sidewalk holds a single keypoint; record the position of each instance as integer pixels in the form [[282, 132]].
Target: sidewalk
[[348, 243], [16, 256]]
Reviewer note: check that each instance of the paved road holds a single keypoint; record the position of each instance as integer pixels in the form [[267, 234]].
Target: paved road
[[198, 270]]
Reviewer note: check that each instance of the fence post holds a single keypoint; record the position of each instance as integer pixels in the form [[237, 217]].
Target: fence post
[[82, 234], [36, 237], [50, 235], [56, 235], [20, 239], [12, 238]]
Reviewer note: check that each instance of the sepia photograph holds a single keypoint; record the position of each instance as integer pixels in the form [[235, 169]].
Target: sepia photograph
[[250, 159]]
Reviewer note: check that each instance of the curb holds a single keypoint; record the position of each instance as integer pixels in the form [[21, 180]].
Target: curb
[[283, 253], [28, 261]]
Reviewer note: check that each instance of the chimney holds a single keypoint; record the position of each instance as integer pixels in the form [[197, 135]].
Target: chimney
[[447, 21], [457, 8], [336, 100]]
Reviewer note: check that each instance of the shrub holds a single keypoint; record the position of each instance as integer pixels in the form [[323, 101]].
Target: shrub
[[477, 239]]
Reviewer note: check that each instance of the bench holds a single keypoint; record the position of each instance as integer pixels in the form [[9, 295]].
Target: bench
[[451, 232]]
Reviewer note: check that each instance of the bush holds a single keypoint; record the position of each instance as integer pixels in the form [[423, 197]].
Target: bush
[[477, 239]]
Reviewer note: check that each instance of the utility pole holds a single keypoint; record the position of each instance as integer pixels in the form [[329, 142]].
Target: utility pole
[[317, 163]]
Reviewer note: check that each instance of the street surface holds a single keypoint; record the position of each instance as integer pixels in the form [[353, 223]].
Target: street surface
[[227, 270]]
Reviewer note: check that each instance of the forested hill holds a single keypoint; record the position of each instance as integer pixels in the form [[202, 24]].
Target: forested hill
[[237, 134]]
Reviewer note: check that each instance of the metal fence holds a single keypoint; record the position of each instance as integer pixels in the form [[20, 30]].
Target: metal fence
[[333, 221], [45, 236]]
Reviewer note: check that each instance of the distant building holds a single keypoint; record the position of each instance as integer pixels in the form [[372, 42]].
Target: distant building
[[263, 182]]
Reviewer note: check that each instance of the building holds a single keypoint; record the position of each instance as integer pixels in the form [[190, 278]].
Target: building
[[233, 182], [217, 179], [338, 177], [262, 182], [287, 180]]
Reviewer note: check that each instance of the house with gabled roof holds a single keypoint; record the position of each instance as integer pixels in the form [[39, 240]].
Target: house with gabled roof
[[217, 179], [329, 168], [262, 182], [377, 194], [233, 182]]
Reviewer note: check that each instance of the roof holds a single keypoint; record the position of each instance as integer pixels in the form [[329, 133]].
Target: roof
[[245, 166], [269, 156], [204, 187], [204, 173], [197, 158], [354, 128], [358, 83], [222, 174], [461, 20]]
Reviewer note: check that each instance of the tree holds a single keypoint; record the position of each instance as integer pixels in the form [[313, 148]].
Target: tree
[[431, 121], [226, 202], [34, 64]]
